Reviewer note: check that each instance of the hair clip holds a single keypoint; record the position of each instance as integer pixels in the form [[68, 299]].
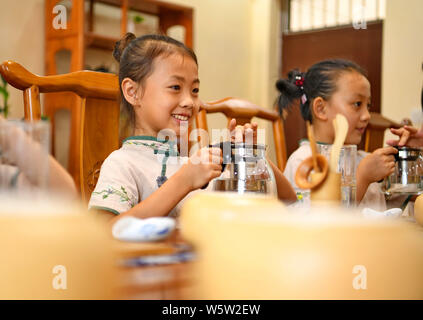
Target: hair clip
[[303, 98], [299, 81]]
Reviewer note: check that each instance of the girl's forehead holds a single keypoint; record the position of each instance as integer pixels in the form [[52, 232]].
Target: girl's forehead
[[176, 59], [353, 81], [167, 65]]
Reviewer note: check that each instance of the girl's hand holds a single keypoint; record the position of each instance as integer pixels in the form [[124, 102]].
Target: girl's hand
[[247, 132], [408, 136], [203, 166], [377, 165]]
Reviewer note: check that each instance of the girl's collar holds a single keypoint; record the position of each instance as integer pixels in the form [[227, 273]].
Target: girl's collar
[[148, 138], [318, 142], [323, 143], [167, 147]]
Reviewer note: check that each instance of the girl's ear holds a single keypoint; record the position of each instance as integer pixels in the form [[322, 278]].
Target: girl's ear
[[130, 91], [319, 108]]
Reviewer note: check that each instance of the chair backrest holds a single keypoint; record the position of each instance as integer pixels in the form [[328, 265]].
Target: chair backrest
[[375, 131], [243, 111], [97, 131]]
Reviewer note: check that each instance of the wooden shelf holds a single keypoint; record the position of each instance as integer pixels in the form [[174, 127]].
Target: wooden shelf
[[97, 41], [147, 6], [168, 13], [76, 40]]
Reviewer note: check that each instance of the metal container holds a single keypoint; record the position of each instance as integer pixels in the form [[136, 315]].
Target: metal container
[[245, 170], [407, 178]]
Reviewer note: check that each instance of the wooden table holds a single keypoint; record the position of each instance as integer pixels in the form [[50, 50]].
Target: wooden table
[[159, 282], [164, 282]]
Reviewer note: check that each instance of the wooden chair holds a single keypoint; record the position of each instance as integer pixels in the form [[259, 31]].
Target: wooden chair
[[375, 131], [97, 132], [243, 111]]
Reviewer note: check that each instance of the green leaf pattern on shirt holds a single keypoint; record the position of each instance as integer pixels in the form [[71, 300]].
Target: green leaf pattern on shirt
[[164, 148], [161, 148], [122, 193]]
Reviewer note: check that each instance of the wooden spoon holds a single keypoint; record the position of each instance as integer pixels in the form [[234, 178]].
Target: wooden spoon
[[304, 169], [341, 128], [313, 146]]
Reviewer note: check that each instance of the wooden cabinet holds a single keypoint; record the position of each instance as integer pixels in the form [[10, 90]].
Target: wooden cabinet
[[79, 35]]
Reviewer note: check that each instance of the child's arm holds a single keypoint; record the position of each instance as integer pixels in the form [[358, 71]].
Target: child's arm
[[285, 190], [202, 167], [59, 179], [373, 168]]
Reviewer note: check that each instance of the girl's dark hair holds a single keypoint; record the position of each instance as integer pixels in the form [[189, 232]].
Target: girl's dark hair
[[318, 81], [136, 57]]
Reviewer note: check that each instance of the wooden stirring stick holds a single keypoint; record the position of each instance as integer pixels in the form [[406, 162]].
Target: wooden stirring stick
[[313, 146], [341, 128]]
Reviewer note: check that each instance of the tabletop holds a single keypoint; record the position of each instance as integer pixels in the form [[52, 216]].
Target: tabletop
[[161, 281], [172, 281]]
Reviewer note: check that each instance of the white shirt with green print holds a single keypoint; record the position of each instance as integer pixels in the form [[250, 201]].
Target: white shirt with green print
[[132, 173]]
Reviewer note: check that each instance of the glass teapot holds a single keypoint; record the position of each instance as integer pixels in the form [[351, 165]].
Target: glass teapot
[[245, 169], [407, 177]]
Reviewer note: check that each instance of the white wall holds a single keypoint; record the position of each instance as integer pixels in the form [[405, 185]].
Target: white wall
[[265, 46], [402, 75], [237, 45], [22, 40]]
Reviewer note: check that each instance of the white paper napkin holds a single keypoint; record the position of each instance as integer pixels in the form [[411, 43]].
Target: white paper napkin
[[136, 229], [391, 213]]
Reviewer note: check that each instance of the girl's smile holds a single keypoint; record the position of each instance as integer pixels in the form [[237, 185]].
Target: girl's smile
[[181, 117], [361, 130]]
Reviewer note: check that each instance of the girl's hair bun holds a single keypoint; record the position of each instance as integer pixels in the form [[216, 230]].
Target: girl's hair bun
[[289, 91], [282, 85], [288, 86], [122, 44]]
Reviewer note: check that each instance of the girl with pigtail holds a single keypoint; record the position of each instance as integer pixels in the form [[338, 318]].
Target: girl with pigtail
[[330, 87]]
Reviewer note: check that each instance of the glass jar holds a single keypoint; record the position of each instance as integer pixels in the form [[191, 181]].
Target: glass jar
[[407, 177], [347, 165], [245, 170]]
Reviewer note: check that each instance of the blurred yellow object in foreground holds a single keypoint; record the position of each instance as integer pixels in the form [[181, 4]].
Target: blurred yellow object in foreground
[[53, 250], [418, 210], [255, 248]]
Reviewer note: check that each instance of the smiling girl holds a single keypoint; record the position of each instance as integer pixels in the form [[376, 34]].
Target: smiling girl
[[328, 88], [159, 84]]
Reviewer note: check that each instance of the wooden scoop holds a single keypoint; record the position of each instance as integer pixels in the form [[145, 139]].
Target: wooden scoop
[[302, 175], [341, 128], [312, 146], [316, 163]]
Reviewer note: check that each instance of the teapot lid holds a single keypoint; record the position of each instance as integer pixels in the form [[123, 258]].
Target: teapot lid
[[238, 145], [407, 153]]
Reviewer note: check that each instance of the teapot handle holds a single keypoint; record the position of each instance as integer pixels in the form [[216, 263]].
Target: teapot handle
[[207, 184], [224, 147]]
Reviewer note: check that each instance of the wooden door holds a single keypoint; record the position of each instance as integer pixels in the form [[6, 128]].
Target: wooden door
[[303, 49]]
